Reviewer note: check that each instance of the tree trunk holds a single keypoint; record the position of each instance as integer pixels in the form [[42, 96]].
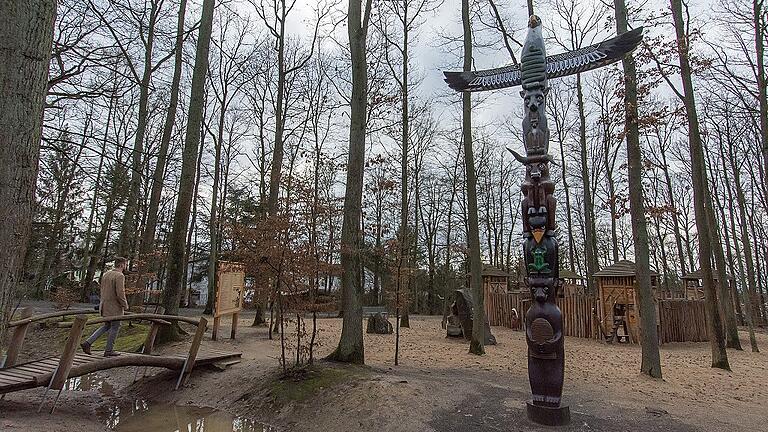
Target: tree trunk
[[178, 238], [405, 240], [734, 295], [193, 223], [566, 189], [759, 23], [651, 362], [278, 151], [213, 225], [760, 315], [675, 218], [476, 345], [590, 242], [126, 241], [743, 276], [700, 196], [726, 306], [26, 32], [148, 237], [449, 283], [612, 199], [350, 348]]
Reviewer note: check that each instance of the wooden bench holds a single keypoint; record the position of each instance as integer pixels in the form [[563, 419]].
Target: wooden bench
[[53, 372], [369, 311]]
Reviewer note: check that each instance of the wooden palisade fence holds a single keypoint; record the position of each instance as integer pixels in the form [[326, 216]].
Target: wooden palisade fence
[[678, 320], [682, 321], [504, 309]]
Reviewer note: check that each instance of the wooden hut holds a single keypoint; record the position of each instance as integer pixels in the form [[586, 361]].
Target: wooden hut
[[694, 290], [495, 280], [617, 300], [501, 305], [573, 284]]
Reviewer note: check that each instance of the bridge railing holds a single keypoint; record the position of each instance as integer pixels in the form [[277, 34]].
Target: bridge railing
[[21, 327], [67, 358]]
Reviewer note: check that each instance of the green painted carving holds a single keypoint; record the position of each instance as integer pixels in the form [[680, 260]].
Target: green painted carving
[[539, 264]]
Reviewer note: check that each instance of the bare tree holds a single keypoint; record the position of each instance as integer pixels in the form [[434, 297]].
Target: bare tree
[[146, 32], [150, 227], [350, 348], [178, 240], [275, 19], [651, 362], [702, 201], [476, 345]]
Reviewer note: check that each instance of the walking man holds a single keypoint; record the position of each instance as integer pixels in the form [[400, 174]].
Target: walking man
[[113, 303]]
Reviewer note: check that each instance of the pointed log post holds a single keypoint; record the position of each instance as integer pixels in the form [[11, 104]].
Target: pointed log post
[[61, 374], [149, 342], [68, 355], [189, 364], [17, 340]]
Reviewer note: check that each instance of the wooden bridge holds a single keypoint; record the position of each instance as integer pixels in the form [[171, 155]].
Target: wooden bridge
[[53, 372]]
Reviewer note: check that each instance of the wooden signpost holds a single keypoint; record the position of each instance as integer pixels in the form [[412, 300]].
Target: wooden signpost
[[230, 286]]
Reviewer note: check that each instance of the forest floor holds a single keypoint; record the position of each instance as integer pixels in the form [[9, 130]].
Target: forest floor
[[438, 386]]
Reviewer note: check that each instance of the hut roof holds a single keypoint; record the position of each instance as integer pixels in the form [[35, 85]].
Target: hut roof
[[697, 275], [569, 274], [489, 270], [623, 268]]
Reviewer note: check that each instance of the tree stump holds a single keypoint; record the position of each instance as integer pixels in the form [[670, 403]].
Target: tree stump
[[377, 324]]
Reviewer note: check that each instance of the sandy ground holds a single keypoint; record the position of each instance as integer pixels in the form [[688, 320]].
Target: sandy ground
[[438, 386]]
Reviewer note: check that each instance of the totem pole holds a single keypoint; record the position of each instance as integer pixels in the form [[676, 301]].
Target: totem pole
[[543, 320]]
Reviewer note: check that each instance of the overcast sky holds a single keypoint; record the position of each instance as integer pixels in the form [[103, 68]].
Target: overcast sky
[[432, 53]]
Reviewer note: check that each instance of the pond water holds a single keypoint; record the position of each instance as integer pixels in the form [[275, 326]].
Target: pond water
[[145, 417]]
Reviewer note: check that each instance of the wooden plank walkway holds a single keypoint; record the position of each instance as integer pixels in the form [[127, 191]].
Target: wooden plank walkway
[[38, 373]]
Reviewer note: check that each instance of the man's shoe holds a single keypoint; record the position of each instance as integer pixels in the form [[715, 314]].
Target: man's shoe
[[111, 354], [86, 347]]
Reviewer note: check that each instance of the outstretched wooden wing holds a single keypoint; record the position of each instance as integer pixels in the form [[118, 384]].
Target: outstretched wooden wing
[[558, 65]]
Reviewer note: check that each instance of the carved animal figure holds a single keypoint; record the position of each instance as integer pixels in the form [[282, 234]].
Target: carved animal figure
[[544, 335], [535, 129]]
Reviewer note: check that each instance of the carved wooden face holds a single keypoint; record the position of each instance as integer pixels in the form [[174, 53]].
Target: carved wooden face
[[538, 170], [540, 293], [534, 100], [539, 289]]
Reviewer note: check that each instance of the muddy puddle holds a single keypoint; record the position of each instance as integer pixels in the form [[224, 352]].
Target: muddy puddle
[[145, 417], [90, 382]]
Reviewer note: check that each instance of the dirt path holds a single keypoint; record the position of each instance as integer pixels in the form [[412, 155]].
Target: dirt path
[[437, 387]]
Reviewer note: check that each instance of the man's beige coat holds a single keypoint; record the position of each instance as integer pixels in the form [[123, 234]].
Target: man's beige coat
[[113, 301]]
